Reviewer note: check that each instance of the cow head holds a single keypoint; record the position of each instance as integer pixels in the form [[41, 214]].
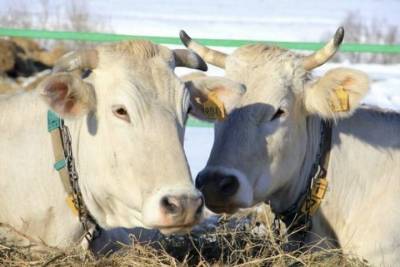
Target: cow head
[[126, 110], [259, 151]]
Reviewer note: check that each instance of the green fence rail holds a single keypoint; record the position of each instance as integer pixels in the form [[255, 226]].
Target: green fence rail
[[107, 37]]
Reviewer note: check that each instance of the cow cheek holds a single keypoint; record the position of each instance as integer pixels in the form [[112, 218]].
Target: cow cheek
[[261, 189]]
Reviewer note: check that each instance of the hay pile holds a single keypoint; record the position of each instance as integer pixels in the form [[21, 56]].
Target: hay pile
[[233, 241]]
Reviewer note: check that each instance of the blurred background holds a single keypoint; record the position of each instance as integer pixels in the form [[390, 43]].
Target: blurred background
[[365, 21]]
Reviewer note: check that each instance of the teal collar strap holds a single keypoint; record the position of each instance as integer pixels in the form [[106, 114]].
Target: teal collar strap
[[64, 165], [54, 123]]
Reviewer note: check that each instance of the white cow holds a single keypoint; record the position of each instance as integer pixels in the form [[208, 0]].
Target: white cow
[[126, 110], [265, 149]]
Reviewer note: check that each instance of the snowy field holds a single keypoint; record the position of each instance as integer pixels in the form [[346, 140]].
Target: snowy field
[[284, 20]]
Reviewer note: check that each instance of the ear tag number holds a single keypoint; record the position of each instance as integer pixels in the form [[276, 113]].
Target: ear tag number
[[341, 103], [214, 108]]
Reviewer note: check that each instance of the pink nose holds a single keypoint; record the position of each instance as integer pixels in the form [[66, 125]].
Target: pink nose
[[181, 210]]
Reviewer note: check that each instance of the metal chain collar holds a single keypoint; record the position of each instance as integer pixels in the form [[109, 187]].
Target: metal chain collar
[[89, 224]]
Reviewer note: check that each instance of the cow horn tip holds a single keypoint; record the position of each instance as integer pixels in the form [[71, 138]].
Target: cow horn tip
[[185, 38]]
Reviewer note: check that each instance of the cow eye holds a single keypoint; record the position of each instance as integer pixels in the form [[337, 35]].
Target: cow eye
[[121, 112], [86, 73], [279, 113]]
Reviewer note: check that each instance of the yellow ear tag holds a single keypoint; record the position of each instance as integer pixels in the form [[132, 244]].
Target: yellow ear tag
[[214, 108], [342, 103], [71, 205]]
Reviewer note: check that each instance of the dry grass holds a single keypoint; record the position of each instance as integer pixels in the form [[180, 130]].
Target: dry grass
[[238, 241]]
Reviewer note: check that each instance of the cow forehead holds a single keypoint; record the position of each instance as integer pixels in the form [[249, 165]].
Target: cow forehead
[[140, 49], [260, 60], [259, 54], [138, 66], [141, 57], [271, 74]]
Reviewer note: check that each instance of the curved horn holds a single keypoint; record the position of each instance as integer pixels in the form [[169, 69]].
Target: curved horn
[[186, 58], [211, 56], [85, 59], [324, 54]]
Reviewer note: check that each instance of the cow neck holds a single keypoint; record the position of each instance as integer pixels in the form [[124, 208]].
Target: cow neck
[[297, 216], [65, 166]]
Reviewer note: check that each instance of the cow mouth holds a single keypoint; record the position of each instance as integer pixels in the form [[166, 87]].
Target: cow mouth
[[177, 228], [229, 209]]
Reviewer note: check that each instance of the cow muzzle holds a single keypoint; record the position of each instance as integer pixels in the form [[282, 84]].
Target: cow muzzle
[[224, 191], [177, 212]]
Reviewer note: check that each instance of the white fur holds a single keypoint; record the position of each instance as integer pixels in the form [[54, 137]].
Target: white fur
[[124, 168]]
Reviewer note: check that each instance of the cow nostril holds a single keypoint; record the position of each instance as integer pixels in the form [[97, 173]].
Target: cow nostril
[[228, 185], [171, 204]]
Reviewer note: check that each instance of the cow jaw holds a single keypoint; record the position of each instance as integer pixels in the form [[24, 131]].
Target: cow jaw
[[168, 210]]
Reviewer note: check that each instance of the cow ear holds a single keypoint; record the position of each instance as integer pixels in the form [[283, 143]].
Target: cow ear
[[213, 98], [68, 95], [337, 94]]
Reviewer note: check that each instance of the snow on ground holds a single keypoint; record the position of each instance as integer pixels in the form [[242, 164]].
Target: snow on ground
[[385, 94], [285, 20], [198, 143]]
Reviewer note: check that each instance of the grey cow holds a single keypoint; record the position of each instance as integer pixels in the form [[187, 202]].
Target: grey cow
[[266, 148]]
